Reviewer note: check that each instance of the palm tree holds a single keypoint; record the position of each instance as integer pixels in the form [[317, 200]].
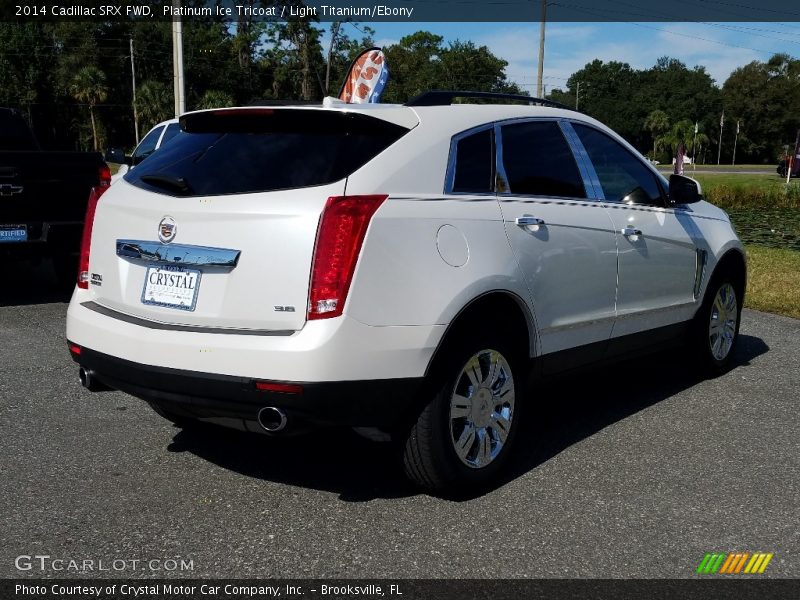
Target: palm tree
[[89, 87], [153, 103], [657, 122], [215, 99], [681, 132]]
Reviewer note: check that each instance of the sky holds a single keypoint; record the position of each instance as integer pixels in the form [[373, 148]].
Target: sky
[[720, 47]]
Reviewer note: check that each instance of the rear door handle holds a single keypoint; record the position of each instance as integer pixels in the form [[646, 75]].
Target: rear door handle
[[528, 220], [630, 231]]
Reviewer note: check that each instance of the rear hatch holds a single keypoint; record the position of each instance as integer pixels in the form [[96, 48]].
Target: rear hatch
[[218, 228]]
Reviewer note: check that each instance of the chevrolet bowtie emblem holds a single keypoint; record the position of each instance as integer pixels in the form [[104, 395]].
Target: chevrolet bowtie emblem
[[8, 189]]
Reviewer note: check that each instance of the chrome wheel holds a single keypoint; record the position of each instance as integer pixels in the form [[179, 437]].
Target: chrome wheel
[[482, 408], [722, 325]]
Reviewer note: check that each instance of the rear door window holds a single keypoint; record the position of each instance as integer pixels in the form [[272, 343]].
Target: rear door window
[[261, 150], [538, 161]]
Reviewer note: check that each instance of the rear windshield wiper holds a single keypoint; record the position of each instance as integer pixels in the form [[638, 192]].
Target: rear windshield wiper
[[176, 184]]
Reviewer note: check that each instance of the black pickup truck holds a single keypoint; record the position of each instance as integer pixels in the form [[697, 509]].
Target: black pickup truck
[[43, 197]]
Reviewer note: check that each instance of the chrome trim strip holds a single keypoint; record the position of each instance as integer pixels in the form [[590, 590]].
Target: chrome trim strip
[[177, 254], [107, 312], [590, 179], [500, 177], [701, 258]]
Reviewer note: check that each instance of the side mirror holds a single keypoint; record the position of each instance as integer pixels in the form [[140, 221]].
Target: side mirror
[[117, 156], [684, 190]]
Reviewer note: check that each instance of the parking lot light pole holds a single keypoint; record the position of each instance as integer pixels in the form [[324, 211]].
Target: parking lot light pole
[[541, 50], [135, 112], [177, 60]]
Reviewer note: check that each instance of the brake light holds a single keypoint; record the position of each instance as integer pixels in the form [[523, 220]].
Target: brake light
[[340, 235], [88, 223]]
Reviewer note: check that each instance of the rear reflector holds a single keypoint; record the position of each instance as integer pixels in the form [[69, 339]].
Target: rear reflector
[[284, 388], [340, 235], [74, 348], [88, 223]]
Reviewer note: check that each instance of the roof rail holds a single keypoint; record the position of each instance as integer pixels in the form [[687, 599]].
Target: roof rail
[[445, 98]]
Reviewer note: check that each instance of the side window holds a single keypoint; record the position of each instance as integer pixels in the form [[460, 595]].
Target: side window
[[173, 129], [538, 161], [147, 146], [474, 164], [623, 176]]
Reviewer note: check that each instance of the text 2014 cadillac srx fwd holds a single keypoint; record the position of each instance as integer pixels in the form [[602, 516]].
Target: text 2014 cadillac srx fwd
[[399, 269]]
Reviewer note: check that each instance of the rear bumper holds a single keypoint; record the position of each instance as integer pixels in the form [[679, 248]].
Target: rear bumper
[[371, 403], [351, 373]]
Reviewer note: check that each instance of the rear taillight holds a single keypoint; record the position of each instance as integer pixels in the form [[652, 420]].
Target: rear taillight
[[88, 222], [341, 233], [283, 388]]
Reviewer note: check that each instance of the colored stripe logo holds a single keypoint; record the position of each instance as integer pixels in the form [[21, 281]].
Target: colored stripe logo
[[734, 563]]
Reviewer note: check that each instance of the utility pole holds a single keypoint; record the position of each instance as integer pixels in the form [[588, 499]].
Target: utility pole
[[177, 60], [736, 139], [135, 112], [541, 49], [721, 124], [577, 95]]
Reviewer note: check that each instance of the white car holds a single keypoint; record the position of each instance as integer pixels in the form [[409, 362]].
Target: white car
[[155, 138], [394, 268]]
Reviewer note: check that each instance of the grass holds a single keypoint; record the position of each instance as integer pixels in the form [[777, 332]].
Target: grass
[[734, 190], [773, 280]]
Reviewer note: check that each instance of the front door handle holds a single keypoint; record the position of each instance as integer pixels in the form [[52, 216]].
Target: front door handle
[[630, 231], [527, 221]]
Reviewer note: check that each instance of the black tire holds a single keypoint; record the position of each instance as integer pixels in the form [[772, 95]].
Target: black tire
[[429, 455], [713, 354]]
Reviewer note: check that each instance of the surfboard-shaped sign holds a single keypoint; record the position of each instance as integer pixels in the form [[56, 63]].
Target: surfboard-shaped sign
[[366, 78]]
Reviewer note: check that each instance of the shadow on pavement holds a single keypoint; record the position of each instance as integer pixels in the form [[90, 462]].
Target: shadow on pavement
[[560, 413], [28, 282]]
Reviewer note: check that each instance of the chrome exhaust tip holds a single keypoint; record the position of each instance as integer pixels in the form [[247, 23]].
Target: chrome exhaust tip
[[85, 377], [271, 419], [90, 382]]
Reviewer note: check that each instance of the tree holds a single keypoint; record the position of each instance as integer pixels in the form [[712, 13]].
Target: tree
[[215, 99], [657, 122], [765, 96], [421, 62], [154, 103], [681, 133], [89, 87]]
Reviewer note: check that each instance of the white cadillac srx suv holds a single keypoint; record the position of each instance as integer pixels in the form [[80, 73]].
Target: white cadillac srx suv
[[394, 268]]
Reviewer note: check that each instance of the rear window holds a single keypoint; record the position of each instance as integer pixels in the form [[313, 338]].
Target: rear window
[[261, 150], [14, 133]]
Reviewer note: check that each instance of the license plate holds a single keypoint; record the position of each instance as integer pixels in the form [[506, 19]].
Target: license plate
[[13, 233], [173, 287]]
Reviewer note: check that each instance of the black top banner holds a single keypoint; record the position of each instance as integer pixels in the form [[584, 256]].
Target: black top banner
[[404, 10]]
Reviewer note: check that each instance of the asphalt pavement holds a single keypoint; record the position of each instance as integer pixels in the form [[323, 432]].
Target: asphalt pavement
[[634, 471]]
